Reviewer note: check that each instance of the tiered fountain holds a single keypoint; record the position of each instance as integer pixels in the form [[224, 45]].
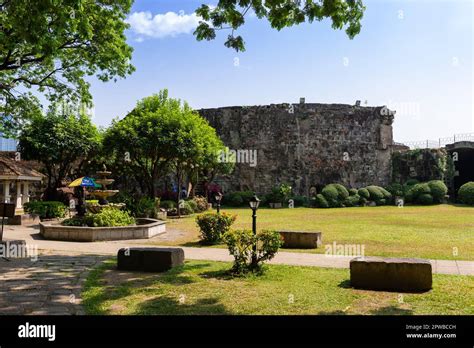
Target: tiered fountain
[[104, 194]]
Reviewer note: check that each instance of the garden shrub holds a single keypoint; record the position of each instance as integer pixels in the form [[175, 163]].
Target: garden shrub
[[201, 203], [375, 193], [320, 201], [395, 189], [300, 201], [352, 192], [240, 244], [364, 193], [438, 190], [279, 194], [46, 209], [109, 217], [213, 226], [168, 205], [466, 193], [146, 207], [424, 199], [192, 205], [352, 201], [416, 191], [237, 198], [331, 194], [185, 208]]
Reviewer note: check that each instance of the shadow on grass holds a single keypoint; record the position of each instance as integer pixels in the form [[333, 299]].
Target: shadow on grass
[[107, 283], [178, 306], [391, 310]]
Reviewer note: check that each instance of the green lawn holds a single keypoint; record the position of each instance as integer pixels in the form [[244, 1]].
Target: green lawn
[[412, 231], [204, 287]]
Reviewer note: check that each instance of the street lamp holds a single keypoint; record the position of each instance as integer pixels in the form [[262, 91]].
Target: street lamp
[[218, 198], [254, 203]]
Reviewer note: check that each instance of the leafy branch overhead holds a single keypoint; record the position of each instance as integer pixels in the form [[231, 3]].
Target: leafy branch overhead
[[52, 45], [230, 14]]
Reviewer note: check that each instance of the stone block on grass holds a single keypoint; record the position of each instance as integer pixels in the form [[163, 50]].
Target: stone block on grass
[[301, 240], [391, 274], [149, 259]]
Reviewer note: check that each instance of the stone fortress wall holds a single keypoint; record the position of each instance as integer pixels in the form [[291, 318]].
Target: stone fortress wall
[[305, 145]]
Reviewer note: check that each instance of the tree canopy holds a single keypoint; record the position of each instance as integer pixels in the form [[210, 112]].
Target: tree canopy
[[53, 45], [230, 15], [58, 141], [159, 136]]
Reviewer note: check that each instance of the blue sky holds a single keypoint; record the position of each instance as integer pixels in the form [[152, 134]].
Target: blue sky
[[414, 56]]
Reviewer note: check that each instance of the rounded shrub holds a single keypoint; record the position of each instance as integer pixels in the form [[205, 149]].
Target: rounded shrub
[[416, 191], [193, 205], [352, 192], [320, 201], [424, 199], [213, 226], [233, 199], [352, 201], [300, 201], [109, 217], [438, 190], [466, 193], [201, 203], [375, 193], [186, 208], [331, 194], [364, 193]]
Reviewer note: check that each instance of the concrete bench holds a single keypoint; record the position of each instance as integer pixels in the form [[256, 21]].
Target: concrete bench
[[392, 274], [149, 259], [301, 240]]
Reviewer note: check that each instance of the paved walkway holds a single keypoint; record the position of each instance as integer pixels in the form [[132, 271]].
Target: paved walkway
[[31, 235], [52, 283]]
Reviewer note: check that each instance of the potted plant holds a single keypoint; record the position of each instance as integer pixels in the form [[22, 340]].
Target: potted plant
[[279, 196]]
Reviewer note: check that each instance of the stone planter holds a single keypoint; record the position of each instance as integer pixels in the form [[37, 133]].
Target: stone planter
[[145, 229]]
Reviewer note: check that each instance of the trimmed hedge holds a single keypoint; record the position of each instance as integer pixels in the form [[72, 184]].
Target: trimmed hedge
[[427, 193], [46, 209], [466, 193]]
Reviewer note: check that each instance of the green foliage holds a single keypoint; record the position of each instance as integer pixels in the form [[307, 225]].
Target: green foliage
[[213, 226], [168, 205], [335, 195], [201, 204], [417, 190], [107, 217], [58, 141], [279, 194], [424, 199], [300, 201], [364, 193], [162, 136], [320, 201], [379, 195], [395, 189], [186, 208], [52, 46], [466, 193], [193, 205], [147, 207], [438, 189], [352, 192], [241, 243], [238, 198], [352, 201], [280, 14], [46, 209]]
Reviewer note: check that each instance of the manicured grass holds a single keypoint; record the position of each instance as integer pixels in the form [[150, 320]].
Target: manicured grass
[[413, 231], [204, 287]]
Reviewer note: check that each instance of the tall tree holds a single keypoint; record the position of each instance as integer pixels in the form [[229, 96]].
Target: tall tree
[[52, 45], [162, 136], [230, 15], [58, 142]]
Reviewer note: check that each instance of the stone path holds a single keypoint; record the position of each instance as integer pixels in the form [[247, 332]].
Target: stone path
[[31, 235], [50, 284]]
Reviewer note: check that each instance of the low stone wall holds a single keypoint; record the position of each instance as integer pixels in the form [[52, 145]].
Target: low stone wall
[[147, 228], [301, 240], [24, 219]]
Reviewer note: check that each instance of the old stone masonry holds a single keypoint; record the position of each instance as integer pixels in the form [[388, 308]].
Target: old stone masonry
[[305, 145]]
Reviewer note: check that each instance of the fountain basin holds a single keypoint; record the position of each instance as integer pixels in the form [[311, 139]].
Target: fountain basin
[[144, 229]]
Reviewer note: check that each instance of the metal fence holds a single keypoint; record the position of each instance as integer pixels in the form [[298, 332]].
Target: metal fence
[[441, 142]]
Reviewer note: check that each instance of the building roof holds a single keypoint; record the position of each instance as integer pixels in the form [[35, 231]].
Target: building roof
[[17, 170]]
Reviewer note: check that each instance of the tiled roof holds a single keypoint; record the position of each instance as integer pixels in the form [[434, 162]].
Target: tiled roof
[[10, 167]]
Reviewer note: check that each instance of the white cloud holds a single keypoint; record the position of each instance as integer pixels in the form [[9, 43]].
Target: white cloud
[[162, 25]]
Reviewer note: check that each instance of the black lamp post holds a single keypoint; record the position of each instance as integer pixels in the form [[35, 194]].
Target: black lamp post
[[218, 198], [254, 203]]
